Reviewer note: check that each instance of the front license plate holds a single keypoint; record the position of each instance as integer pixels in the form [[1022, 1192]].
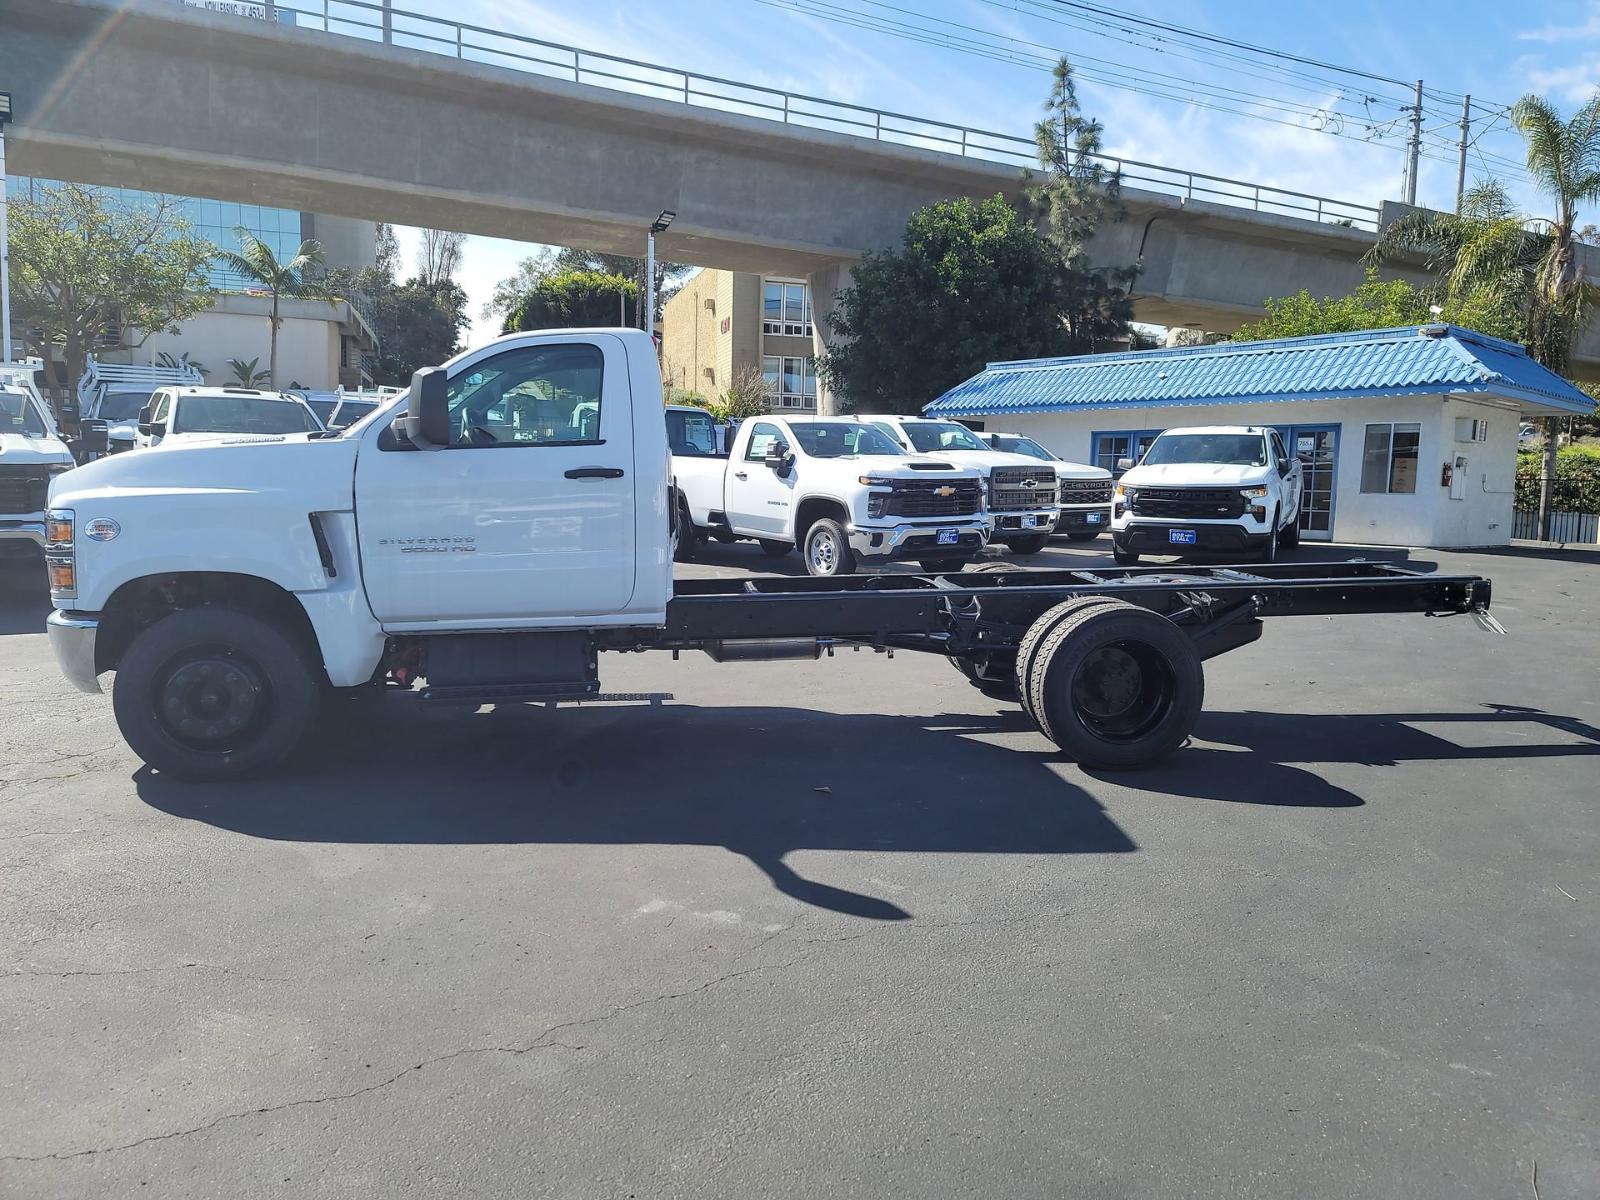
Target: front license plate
[[1094, 518], [949, 537], [1181, 537], [1030, 522]]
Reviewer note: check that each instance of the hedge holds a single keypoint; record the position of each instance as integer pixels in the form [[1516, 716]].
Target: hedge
[[1577, 479]]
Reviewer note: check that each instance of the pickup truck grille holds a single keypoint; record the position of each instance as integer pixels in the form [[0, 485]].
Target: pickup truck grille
[[1021, 489], [23, 489], [922, 498], [1188, 504], [1086, 491]]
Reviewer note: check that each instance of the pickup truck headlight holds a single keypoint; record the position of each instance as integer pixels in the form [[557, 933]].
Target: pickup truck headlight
[[874, 481], [58, 528], [1257, 492]]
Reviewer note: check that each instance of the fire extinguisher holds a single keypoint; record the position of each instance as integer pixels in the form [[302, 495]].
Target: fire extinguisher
[[1446, 475]]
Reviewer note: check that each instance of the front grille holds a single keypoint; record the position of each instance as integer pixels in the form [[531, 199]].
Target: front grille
[[1188, 504], [23, 489], [1086, 491], [1021, 489], [920, 498]]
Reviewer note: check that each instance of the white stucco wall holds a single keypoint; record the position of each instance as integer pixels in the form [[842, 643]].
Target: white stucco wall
[[308, 350], [1427, 517]]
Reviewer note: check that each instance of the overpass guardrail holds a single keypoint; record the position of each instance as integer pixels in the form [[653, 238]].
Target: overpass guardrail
[[375, 21]]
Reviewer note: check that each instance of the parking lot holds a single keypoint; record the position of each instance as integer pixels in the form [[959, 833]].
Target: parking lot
[[838, 929]]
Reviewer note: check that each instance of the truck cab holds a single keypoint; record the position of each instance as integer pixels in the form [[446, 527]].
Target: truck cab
[[176, 415], [1019, 491], [111, 397], [838, 489], [32, 453]]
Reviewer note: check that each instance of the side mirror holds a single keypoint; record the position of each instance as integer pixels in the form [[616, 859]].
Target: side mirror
[[144, 418], [144, 426], [427, 419], [157, 429], [1283, 467], [778, 457], [1124, 464]]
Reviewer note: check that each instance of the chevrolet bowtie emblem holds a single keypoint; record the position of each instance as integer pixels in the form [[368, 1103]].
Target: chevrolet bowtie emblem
[[944, 491], [1030, 483]]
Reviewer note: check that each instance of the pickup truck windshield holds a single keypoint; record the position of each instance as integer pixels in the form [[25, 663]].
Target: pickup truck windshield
[[122, 406], [241, 414], [836, 439], [1022, 445], [928, 436], [17, 415], [1233, 449]]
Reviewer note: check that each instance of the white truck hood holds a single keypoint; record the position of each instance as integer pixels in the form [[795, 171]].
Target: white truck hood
[[17, 450], [1182, 475], [892, 466], [987, 460], [1072, 470]]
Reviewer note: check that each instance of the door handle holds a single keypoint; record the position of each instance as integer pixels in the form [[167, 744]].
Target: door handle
[[595, 473], [740, 475]]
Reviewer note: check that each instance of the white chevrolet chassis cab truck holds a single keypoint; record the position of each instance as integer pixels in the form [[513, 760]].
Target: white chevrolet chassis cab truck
[[483, 538], [835, 488]]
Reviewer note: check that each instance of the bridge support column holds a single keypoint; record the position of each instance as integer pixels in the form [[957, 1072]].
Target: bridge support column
[[825, 284]]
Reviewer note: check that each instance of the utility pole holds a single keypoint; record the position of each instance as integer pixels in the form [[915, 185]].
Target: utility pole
[[1461, 151], [1414, 150], [5, 245]]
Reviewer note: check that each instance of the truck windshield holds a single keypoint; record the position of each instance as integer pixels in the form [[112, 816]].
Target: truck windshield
[[1232, 449], [241, 414], [928, 436], [18, 415], [1022, 445], [836, 439], [122, 406], [692, 433]]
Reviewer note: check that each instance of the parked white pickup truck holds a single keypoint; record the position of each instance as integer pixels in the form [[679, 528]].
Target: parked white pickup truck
[[32, 452], [190, 414], [1019, 491], [836, 487], [112, 395], [482, 542], [1083, 491]]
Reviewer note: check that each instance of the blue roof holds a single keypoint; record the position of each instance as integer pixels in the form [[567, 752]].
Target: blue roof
[[1415, 360]]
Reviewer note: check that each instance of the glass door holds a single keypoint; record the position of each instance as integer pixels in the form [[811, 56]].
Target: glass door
[[1317, 448]]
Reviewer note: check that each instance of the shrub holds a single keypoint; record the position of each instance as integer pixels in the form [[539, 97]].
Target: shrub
[[1577, 479]]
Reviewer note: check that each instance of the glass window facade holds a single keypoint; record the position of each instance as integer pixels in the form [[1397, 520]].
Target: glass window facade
[[785, 308], [791, 382], [213, 220]]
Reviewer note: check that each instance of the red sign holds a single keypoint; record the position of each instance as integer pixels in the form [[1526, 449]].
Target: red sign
[[727, 324]]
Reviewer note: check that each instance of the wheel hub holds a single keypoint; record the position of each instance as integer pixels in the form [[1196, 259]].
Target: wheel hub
[[210, 700], [823, 552], [1110, 682]]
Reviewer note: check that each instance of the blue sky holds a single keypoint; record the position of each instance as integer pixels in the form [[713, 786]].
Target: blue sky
[[1327, 135]]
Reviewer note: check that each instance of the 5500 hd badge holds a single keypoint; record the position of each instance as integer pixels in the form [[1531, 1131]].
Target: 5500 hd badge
[[432, 545]]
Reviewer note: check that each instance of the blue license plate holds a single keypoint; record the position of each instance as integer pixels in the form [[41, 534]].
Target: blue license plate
[[1181, 537], [1094, 518], [949, 537]]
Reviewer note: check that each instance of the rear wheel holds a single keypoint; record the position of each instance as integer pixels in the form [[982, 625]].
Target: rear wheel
[[214, 693], [1114, 685], [774, 549], [1028, 647], [685, 537], [827, 550], [1029, 544]]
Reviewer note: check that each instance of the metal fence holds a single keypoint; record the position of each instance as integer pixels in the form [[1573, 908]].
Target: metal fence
[[375, 21], [1576, 527]]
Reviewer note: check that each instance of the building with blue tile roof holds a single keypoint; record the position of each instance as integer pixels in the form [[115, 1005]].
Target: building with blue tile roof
[[1375, 416]]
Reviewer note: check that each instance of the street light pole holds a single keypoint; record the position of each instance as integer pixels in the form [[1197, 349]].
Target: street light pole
[[5, 244], [659, 225]]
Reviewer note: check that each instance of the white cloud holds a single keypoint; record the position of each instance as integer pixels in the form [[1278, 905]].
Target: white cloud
[[1567, 33], [1574, 83]]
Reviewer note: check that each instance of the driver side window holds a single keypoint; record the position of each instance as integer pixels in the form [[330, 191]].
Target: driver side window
[[529, 396], [762, 439]]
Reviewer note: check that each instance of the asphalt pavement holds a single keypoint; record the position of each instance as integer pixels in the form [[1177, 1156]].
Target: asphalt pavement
[[833, 929]]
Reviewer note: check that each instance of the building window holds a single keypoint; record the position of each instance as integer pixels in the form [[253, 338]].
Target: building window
[[1389, 458], [785, 308], [1107, 446], [791, 382]]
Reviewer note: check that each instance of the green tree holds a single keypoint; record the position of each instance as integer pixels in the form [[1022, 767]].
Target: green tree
[[1072, 196], [416, 324], [1376, 304], [574, 299], [745, 396], [83, 262], [512, 292], [300, 277], [1528, 266], [972, 282]]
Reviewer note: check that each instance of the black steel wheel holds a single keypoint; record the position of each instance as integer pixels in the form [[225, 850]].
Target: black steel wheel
[[1030, 543], [1122, 557], [214, 693], [1114, 685], [1084, 535]]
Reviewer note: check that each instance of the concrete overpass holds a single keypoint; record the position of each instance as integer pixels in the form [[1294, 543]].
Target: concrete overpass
[[152, 94]]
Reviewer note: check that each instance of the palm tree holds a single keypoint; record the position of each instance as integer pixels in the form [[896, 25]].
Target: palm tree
[[1493, 260], [245, 374], [289, 280]]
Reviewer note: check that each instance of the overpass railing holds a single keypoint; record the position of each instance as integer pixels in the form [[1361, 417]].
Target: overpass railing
[[378, 21]]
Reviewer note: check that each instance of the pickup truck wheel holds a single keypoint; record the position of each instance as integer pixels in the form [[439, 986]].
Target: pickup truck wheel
[[828, 550], [1115, 685], [942, 566], [1269, 552], [1289, 535], [685, 537], [1124, 558], [214, 693], [1084, 535], [1030, 544], [774, 549]]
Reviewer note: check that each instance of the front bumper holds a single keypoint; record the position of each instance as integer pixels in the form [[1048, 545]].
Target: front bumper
[[882, 543], [1082, 520], [31, 528], [1040, 520], [72, 638], [1150, 537]]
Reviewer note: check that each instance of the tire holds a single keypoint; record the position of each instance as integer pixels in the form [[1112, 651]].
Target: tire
[[1124, 558], [942, 566], [268, 684], [1289, 535], [828, 554], [993, 567], [1084, 535], [686, 538], [1028, 647], [1115, 686], [1029, 544], [1269, 552], [774, 549]]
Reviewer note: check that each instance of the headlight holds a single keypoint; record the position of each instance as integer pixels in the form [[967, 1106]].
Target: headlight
[[1123, 492], [1255, 492], [875, 481]]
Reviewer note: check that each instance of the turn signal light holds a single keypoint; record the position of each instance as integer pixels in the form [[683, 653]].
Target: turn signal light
[[63, 576], [58, 527]]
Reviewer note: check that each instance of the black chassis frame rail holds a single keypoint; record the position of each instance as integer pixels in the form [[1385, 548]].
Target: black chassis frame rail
[[977, 611]]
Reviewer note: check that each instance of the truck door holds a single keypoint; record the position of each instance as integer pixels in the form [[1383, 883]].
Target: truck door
[[528, 514], [758, 498]]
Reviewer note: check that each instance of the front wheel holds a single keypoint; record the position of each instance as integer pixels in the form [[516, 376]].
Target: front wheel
[[1124, 558], [1269, 552], [214, 693], [1084, 535], [827, 550], [1289, 535], [1028, 544]]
